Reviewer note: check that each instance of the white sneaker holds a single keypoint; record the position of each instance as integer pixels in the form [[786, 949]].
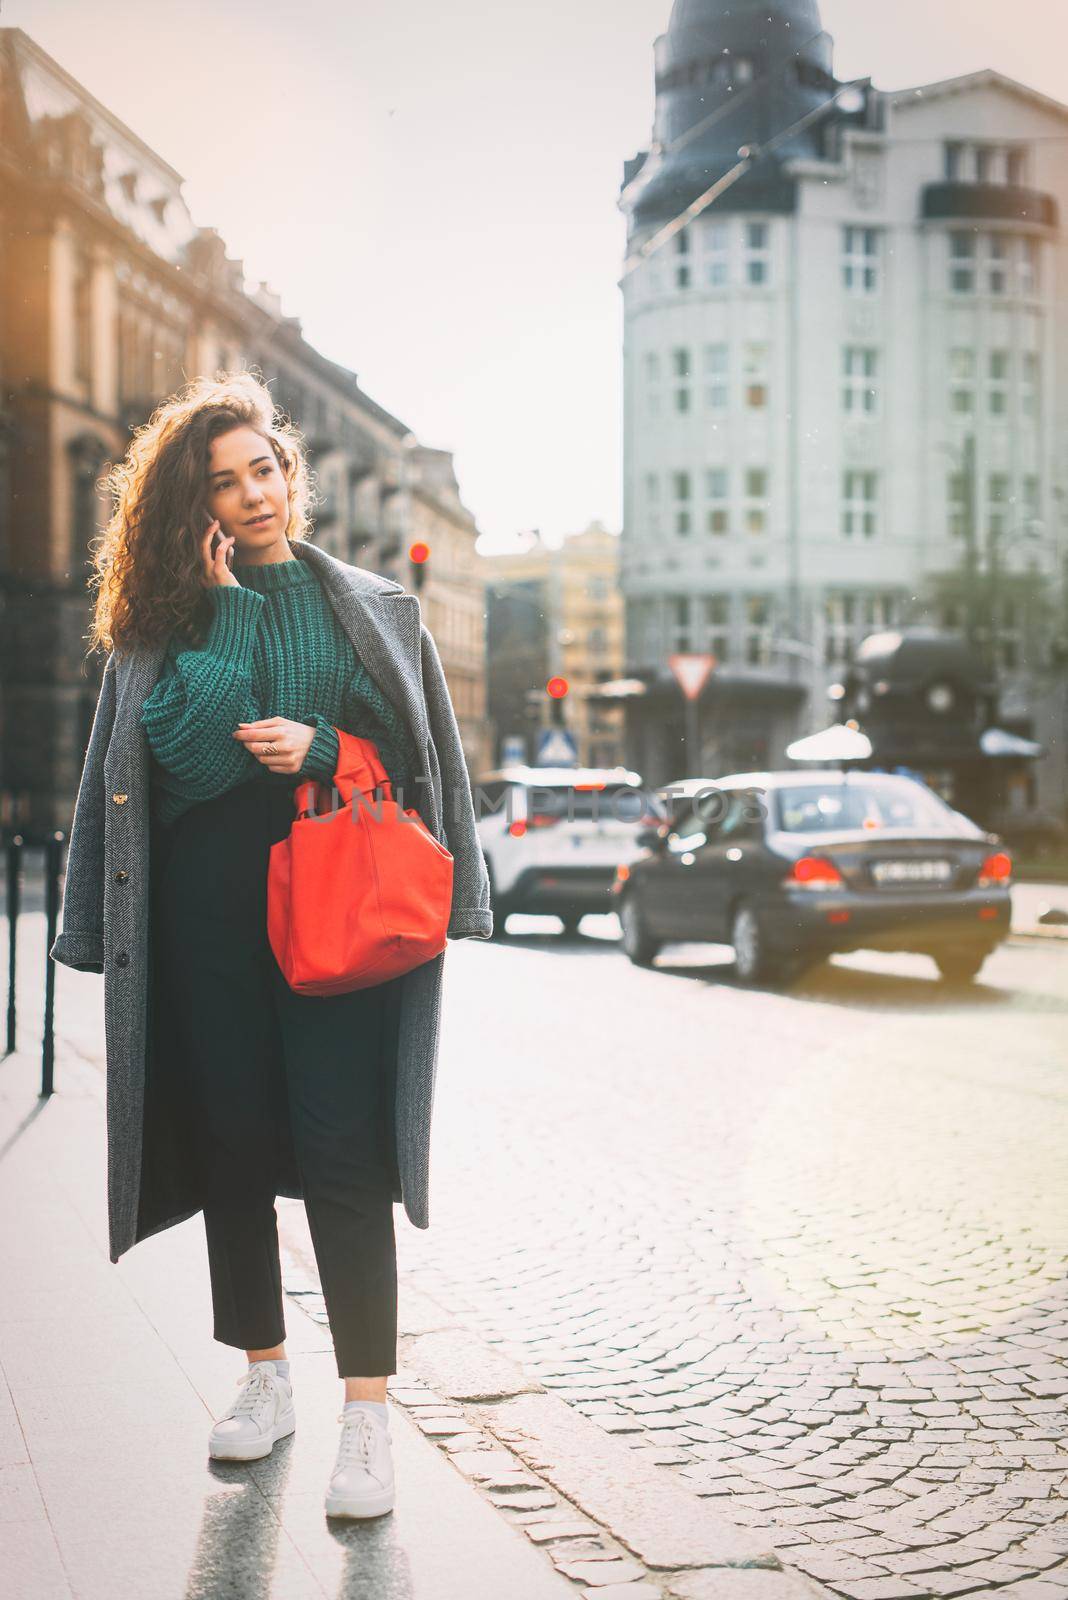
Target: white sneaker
[[361, 1484], [261, 1413]]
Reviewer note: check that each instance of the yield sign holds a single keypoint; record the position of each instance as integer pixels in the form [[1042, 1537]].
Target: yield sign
[[690, 672]]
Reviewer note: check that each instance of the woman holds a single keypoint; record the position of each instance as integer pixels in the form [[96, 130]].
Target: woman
[[236, 649]]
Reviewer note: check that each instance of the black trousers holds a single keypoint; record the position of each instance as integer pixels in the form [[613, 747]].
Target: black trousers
[[276, 1076]]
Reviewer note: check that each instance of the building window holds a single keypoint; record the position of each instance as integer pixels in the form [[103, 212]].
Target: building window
[[717, 254], [1030, 382], [1027, 262], [1032, 499], [997, 501], [957, 505], [758, 630], [597, 587], [880, 611], [860, 509], [757, 253], [860, 370], [717, 494], [679, 609], [680, 484], [839, 621], [987, 163], [682, 259], [83, 318], [756, 500], [997, 264], [718, 626], [680, 371], [962, 263], [652, 501], [1008, 634], [962, 382], [652, 383], [860, 260], [86, 456], [596, 641], [997, 383], [717, 377], [756, 376]]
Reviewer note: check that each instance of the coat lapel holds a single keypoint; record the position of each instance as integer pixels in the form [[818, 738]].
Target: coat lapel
[[382, 620]]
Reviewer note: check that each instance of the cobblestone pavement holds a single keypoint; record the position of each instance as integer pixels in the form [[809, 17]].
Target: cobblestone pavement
[[805, 1249]]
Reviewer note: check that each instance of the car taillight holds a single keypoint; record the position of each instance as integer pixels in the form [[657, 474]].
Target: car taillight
[[538, 819], [622, 872], [813, 872], [995, 870]]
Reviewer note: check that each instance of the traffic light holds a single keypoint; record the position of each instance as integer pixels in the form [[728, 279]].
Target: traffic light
[[418, 556], [556, 689]]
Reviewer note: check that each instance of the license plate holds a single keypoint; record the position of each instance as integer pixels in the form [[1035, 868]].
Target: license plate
[[893, 872]]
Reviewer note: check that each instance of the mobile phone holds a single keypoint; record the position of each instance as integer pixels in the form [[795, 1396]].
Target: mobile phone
[[216, 539]]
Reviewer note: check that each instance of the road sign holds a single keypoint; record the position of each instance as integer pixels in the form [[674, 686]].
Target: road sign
[[556, 748], [690, 672], [513, 750]]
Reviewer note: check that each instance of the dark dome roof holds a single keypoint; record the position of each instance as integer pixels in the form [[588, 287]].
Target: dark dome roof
[[731, 73], [712, 13]]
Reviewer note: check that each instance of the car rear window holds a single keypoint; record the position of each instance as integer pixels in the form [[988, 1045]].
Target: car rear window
[[815, 808]]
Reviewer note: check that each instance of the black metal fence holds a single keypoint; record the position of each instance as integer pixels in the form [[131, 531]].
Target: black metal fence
[[16, 843]]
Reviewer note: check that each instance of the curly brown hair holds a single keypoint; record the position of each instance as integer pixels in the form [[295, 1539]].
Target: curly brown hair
[[148, 566]]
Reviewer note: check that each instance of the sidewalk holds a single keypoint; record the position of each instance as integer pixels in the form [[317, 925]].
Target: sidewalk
[[502, 1488], [1030, 900], [111, 1378]]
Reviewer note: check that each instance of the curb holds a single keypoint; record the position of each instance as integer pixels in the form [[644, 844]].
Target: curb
[[614, 1524]]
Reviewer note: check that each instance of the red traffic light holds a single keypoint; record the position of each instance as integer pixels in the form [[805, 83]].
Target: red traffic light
[[418, 552], [557, 687]]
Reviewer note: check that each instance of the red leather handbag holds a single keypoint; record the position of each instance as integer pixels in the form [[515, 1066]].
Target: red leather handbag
[[359, 894]]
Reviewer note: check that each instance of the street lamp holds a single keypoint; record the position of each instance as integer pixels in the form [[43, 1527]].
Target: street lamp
[[964, 458]]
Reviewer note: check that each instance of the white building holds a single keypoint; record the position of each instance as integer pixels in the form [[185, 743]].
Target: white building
[[844, 378]]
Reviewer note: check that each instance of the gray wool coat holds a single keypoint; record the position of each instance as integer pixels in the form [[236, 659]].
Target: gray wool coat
[[107, 923]]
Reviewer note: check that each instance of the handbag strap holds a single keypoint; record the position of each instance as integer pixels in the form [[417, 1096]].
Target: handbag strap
[[359, 767]]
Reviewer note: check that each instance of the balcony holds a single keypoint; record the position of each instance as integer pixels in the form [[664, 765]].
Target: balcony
[[987, 202]]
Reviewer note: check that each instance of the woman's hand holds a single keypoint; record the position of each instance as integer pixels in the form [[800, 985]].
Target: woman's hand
[[216, 572], [289, 741]]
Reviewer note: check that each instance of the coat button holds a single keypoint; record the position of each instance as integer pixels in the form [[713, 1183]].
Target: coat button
[[122, 959], [121, 876], [120, 799]]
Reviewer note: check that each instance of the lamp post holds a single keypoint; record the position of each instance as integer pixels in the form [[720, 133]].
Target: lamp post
[[1032, 530], [964, 460]]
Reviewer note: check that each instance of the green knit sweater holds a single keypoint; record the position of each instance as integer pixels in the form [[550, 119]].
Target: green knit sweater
[[275, 648]]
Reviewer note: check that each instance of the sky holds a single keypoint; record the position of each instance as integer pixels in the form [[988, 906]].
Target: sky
[[432, 189]]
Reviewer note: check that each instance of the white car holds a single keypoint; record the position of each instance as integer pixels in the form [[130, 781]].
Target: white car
[[554, 836]]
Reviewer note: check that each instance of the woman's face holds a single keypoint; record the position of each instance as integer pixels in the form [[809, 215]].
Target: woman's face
[[247, 491]]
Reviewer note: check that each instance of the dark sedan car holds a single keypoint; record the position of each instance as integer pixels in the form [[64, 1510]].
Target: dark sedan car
[[791, 867]]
